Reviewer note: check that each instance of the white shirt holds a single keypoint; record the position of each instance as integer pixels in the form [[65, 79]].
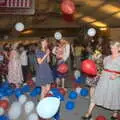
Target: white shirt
[[66, 53], [24, 58]]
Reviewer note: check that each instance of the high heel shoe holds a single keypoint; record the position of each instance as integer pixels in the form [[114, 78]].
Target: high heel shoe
[[87, 117]]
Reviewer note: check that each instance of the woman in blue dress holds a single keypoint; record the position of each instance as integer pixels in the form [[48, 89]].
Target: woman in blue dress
[[44, 74]]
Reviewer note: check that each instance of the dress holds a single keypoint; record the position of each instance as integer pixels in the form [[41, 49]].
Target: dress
[[44, 73], [14, 68], [107, 93]]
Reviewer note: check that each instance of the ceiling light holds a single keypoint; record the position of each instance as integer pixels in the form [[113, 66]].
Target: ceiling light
[[88, 19], [117, 15], [108, 8], [99, 24], [27, 32]]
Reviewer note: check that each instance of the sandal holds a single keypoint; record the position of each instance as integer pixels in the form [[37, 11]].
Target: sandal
[[87, 117]]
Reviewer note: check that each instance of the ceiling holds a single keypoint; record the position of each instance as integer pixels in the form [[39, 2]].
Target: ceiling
[[47, 14]]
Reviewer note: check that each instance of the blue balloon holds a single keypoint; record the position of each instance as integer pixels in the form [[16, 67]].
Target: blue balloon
[[5, 85], [18, 92], [36, 91], [84, 92], [25, 88], [70, 105], [78, 80], [72, 95], [9, 92], [56, 93], [3, 117], [57, 116], [2, 95]]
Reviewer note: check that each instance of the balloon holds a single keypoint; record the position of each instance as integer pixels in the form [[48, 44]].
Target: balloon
[[62, 91], [9, 92], [3, 117], [48, 107], [33, 116], [25, 88], [84, 92], [19, 26], [62, 68], [91, 32], [100, 118], [68, 7], [70, 105], [4, 104], [22, 99], [72, 95], [77, 74], [89, 67], [15, 111], [18, 92], [29, 107], [2, 95], [58, 36], [2, 111], [78, 80], [49, 95], [78, 89], [36, 91]]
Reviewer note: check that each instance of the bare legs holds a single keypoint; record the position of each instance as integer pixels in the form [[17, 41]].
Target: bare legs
[[45, 90], [92, 104], [58, 82]]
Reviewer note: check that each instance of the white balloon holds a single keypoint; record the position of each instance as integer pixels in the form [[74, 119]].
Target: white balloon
[[78, 89], [22, 99], [48, 107], [77, 74], [15, 111], [91, 32], [33, 116], [2, 111], [29, 107], [19, 26], [58, 36]]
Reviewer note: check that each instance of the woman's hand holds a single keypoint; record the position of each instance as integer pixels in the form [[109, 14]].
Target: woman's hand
[[48, 52]]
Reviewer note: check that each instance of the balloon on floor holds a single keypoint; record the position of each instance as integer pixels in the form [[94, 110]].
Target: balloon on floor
[[70, 105], [101, 118], [48, 107]]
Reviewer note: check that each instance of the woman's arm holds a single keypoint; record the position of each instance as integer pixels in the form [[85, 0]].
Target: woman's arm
[[40, 60], [66, 52]]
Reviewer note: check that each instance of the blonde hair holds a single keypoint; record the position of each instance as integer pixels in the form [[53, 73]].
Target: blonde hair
[[115, 43]]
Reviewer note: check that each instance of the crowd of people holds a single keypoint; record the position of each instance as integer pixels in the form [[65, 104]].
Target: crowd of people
[[17, 60]]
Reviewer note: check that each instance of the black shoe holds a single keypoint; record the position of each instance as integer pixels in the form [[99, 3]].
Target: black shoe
[[87, 118], [113, 118]]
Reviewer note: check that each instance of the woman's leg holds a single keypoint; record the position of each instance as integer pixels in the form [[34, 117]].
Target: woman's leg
[[58, 82], [43, 91], [92, 104], [115, 114], [63, 82]]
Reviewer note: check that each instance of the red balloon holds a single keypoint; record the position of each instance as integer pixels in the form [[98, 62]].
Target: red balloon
[[62, 91], [89, 67], [49, 95], [62, 68], [4, 104], [68, 7], [101, 118]]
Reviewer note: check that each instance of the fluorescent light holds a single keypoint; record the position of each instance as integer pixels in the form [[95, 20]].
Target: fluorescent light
[[88, 19], [108, 8], [99, 24]]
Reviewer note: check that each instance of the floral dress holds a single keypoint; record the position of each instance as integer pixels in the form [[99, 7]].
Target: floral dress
[[14, 68]]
